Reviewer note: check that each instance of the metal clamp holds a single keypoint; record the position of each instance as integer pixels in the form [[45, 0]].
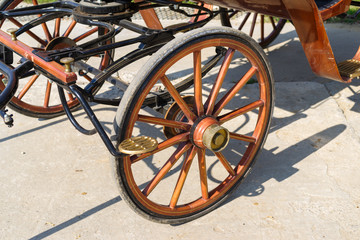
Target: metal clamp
[[8, 119]]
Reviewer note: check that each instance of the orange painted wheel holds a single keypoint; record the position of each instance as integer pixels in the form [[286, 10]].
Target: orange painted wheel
[[216, 137], [263, 28], [36, 96]]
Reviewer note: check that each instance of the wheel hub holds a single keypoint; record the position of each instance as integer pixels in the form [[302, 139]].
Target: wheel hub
[[175, 113], [207, 133]]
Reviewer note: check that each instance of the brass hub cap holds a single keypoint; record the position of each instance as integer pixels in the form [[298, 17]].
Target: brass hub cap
[[209, 134]]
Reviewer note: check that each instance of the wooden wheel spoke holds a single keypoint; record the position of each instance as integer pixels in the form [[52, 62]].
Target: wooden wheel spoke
[[183, 137], [232, 92], [253, 24], [71, 97], [27, 86], [47, 94], [84, 35], [198, 83], [30, 33], [243, 137], [225, 163], [182, 148], [44, 26], [57, 27], [203, 174], [163, 122], [240, 111], [182, 177], [69, 29], [210, 103], [2, 85], [244, 20], [87, 77], [46, 31], [178, 99]]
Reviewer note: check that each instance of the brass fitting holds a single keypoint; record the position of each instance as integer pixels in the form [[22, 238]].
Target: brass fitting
[[216, 138], [12, 31], [67, 62]]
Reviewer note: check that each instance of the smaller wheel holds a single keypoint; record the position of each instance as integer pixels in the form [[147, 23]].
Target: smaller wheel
[[221, 121], [36, 96], [263, 28]]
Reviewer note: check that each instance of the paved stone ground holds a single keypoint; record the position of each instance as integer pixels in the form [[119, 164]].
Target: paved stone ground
[[57, 184]]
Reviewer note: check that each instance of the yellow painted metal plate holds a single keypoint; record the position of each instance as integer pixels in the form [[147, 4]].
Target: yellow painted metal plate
[[138, 145]]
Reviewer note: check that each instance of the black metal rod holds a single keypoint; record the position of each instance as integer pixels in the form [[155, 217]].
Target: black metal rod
[[11, 86], [107, 36], [77, 91], [101, 49], [11, 14], [40, 20], [58, 4], [136, 27], [12, 80], [71, 116], [119, 64]]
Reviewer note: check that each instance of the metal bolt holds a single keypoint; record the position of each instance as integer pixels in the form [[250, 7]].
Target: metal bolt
[[12, 31], [67, 62], [218, 139]]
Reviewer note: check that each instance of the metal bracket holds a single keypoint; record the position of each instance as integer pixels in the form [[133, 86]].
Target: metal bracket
[[8, 119]]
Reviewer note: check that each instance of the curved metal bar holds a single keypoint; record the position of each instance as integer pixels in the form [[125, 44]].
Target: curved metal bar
[[119, 64], [58, 4], [71, 116], [12, 76], [21, 12], [107, 36], [77, 91], [39, 21], [11, 86]]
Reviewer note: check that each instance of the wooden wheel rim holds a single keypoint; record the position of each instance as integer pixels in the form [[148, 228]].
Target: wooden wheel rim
[[260, 131]]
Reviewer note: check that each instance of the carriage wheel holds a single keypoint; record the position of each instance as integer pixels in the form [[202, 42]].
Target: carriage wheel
[[262, 28], [209, 136], [36, 96]]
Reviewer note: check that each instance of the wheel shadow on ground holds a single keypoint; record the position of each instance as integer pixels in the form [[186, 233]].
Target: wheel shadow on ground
[[76, 219], [280, 166]]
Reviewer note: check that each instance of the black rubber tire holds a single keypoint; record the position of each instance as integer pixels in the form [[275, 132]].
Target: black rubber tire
[[131, 99]]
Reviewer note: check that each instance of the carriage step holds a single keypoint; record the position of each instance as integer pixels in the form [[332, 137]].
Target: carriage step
[[138, 145], [349, 68]]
